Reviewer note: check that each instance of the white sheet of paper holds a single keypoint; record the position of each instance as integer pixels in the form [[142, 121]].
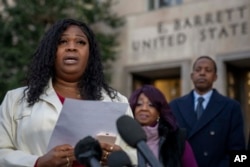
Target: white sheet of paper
[[81, 118]]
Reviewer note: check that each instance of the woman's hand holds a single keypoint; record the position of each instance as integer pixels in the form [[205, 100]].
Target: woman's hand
[[59, 156], [107, 149]]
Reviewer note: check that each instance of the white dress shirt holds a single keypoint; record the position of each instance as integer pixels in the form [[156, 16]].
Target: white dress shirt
[[206, 99]]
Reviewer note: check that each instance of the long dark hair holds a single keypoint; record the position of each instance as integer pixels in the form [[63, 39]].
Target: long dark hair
[[42, 68], [171, 149]]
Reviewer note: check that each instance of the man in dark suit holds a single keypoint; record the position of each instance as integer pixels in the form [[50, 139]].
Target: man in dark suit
[[215, 126]]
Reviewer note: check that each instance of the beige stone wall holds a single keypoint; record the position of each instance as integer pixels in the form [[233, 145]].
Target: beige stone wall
[[127, 7], [180, 33], [188, 30]]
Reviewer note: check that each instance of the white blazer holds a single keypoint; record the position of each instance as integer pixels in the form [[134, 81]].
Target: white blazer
[[25, 131]]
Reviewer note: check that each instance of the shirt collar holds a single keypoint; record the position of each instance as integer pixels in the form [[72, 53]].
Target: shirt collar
[[205, 96]]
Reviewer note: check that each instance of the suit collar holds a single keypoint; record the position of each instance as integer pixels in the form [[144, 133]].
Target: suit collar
[[213, 108]]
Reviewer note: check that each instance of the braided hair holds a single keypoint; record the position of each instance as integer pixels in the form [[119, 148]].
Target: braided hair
[[42, 65]]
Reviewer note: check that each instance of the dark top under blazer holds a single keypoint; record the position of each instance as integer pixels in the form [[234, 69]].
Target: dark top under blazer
[[219, 129]]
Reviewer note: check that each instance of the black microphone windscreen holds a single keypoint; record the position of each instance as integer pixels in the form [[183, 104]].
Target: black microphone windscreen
[[86, 149], [119, 159], [130, 130]]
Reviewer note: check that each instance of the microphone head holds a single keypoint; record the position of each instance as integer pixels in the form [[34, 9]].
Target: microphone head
[[86, 149], [119, 159], [130, 130]]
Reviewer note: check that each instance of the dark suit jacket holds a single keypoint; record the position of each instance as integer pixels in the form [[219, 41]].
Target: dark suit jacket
[[219, 129]]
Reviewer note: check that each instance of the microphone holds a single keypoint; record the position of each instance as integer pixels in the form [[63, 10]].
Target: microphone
[[119, 159], [132, 133], [88, 152]]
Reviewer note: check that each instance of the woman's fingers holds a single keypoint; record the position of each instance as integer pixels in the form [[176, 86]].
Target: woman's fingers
[[59, 156], [107, 149]]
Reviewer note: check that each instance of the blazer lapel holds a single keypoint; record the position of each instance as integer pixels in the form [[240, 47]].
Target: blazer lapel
[[51, 97], [214, 107], [187, 110]]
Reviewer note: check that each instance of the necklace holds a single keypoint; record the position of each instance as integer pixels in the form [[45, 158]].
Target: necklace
[[67, 91]]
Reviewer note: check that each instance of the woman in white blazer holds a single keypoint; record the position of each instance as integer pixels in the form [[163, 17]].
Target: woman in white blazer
[[66, 64]]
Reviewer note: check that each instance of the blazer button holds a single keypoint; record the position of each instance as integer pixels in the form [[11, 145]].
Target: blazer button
[[205, 154], [212, 133]]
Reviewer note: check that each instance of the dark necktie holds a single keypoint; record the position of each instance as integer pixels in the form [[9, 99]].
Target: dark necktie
[[199, 108]]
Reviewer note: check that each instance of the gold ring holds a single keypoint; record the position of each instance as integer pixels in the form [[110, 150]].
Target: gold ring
[[68, 162], [106, 155], [111, 148]]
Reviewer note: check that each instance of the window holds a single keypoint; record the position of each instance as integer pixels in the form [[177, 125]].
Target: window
[[155, 4], [151, 4]]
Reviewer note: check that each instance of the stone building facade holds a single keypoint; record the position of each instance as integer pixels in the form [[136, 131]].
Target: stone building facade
[[161, 39]]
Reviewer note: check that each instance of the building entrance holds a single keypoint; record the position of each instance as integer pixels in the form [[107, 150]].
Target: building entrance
[[238, 86], [166, 80]]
